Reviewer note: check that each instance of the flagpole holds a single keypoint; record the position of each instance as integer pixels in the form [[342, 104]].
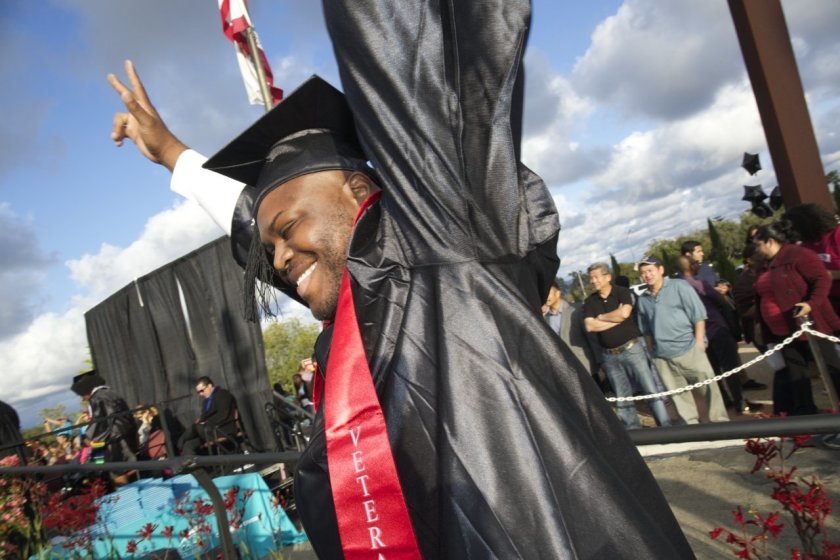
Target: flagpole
[[251, 35]]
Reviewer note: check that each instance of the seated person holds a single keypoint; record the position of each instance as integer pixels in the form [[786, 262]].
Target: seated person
[[217, 418], [149, 422]]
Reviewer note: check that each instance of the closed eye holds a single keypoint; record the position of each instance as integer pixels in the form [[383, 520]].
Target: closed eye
[[287, 229]]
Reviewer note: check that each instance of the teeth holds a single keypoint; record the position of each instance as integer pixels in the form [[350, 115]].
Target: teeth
[[306, 273]]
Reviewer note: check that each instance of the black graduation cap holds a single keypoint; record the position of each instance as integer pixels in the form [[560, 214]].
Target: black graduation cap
[[751, 163], [86, 382], [776, 198], [310, 130], [753, 193]]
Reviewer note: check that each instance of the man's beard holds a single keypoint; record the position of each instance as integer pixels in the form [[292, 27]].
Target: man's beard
[[332, 262]]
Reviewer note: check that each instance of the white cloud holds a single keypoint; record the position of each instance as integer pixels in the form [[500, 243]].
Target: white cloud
[[684, 153], [813, 30], [554, 113], [664, 181], [661, 59], [167, 235], [23, 266], [53, 347]]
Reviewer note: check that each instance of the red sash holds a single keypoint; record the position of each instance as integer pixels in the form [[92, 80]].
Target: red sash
[[372, 516]]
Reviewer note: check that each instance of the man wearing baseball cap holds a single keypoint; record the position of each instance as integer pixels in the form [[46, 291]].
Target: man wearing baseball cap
[[673, 321]]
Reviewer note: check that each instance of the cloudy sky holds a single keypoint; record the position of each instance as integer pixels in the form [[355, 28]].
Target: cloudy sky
[[637, 116]]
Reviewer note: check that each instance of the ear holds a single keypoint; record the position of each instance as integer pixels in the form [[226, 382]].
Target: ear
[[360, 186]]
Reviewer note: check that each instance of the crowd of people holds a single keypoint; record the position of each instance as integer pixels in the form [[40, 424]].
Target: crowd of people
[[685, 329], [108, 430]]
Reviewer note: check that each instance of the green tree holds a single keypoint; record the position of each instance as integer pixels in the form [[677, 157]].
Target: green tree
[[577, 286], [286, 343], [616, 267], [34, 431], [720, 254], [731, 235], [54, 412]]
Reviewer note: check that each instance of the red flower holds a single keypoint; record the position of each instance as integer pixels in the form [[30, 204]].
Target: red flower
[[830, 549], [773, 525], [230, 497], [715, 533], [167, 531], [801, 441], [738, 515], [131, 547], [146, 531], [202, 508]]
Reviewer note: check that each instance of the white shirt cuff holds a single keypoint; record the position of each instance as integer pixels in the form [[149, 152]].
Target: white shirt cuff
[[214, 192]]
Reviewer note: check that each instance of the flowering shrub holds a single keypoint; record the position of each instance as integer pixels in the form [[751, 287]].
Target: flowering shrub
[[31, 514], [21, 530], [805, 500], [37, 522], [200, 518], [72, 516]]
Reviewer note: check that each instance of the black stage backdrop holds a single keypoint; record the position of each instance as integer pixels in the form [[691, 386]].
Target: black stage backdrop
[[150, 351]]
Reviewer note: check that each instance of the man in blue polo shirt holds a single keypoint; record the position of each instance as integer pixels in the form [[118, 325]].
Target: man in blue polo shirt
[[673, 321]]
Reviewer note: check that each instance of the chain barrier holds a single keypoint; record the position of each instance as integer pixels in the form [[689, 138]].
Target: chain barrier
[[804, 328]]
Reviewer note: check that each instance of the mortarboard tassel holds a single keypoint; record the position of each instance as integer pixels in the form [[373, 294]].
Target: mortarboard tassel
[[258, 296]]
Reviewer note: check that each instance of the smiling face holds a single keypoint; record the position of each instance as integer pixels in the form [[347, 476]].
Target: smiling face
[[305, 226]]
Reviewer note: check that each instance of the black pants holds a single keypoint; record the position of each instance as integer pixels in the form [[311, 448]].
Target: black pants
[[792, 393], [197, 434], [723, 355]]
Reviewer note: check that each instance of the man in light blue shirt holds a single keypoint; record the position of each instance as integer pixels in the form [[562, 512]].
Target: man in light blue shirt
[[673, 321]]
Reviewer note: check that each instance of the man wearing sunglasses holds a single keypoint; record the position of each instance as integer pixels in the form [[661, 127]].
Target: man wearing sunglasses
[[217, 418]]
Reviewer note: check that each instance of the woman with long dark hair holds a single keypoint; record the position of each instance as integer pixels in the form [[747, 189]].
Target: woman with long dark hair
[[793, 283]]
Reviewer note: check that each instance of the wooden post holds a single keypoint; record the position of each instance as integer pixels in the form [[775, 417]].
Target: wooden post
[[765, 44]]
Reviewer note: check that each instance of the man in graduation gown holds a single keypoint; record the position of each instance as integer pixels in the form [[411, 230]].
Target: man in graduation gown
[[112, 422], [500, 449]]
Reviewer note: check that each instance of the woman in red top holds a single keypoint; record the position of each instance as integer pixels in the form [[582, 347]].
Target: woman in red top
[[792, 284], [817, 229]]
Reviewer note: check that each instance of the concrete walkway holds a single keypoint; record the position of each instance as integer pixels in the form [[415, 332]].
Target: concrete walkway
[[704, 482]]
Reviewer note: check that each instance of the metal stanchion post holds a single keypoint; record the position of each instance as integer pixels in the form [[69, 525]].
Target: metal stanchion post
[[819, 359], [225, 540]]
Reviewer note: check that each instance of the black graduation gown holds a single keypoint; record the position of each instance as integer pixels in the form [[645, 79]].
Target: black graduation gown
[[118, 431], [9, 431], [504, 449]]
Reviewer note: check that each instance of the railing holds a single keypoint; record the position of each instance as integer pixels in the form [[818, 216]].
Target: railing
[[197, 465], [805, 328]]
